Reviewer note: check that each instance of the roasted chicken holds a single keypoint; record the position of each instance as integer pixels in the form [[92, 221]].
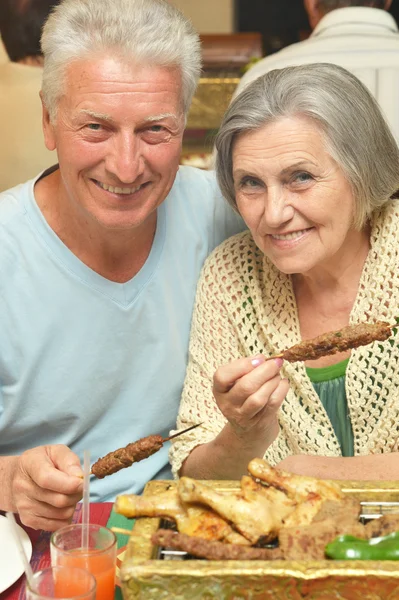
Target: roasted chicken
[[268, 502], [308, 493], [191, 519], [255, 511], [297, 487]]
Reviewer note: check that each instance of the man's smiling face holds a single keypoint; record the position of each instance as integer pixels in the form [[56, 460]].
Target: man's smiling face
[[118, 134]]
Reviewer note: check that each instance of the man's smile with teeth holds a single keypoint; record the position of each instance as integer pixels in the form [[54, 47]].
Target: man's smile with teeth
[[118, 190], [289, 236]]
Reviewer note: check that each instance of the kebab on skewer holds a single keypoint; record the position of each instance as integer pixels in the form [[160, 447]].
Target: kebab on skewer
[[347, 338], [332, 342], [132, 453]]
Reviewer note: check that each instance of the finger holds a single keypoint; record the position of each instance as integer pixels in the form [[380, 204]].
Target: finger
[[38, 522], [277, 397], [261, 399], [26, 491], [54, 499], [228, 375], [275, 401], [252, 382], [45, 511], [65, 460], [45, 474]]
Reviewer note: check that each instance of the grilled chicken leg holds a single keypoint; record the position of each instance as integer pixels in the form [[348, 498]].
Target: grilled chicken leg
[[308, 492], [190, 519], [297, 487], [255, 511]]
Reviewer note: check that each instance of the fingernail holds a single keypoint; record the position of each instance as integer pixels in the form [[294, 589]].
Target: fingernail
[[278, 361], [258, 360]]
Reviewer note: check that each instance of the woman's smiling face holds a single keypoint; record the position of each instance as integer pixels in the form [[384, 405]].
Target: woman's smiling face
[[293, 196]]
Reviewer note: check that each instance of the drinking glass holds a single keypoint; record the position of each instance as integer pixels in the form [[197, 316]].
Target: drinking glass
[[99, 558], [68, 583]]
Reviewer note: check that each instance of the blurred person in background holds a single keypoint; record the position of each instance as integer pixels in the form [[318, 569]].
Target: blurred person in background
[[3, 54], [22, 150], [359, 35]]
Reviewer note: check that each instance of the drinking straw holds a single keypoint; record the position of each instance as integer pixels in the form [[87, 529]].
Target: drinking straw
[[86, 499], [21, 549]]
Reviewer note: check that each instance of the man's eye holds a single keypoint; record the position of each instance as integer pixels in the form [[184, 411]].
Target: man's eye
[[156, 128], [94, 126]]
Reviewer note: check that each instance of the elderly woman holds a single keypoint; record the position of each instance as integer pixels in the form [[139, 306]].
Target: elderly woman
[[306, 158]]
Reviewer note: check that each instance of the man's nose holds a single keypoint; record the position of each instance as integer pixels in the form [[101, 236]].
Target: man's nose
[[277, 210], [125, 161]]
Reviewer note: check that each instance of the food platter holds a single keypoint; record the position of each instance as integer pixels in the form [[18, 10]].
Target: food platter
[[144, 575]]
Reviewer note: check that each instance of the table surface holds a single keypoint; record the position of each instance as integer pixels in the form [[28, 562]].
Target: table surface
[[100, 514]]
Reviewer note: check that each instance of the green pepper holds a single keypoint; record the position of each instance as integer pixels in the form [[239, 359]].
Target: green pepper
[[348, 547]]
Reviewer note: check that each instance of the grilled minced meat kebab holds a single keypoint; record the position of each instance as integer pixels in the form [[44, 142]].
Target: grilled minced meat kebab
[[213, 550], [132, 453], [349, 337]]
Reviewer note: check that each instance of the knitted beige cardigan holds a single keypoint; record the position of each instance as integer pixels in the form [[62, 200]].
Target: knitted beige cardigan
[[244, 306]]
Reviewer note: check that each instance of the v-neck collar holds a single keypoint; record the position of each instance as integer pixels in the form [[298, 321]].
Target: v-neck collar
[[121, 293]]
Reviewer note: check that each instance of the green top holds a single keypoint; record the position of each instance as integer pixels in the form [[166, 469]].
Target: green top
[[329, 383]]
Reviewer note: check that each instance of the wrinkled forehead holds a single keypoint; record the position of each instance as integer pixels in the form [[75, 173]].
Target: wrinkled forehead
[[298, 128], [107, 79]]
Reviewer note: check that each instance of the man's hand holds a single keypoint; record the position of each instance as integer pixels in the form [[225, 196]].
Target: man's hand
[[249, 393], [46, 484]]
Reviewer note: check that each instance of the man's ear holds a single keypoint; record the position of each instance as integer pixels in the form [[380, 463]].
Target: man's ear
[[48, 128], [314, 15]]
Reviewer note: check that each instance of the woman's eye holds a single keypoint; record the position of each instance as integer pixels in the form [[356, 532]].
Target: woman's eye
[[249, 182], [302, 177]]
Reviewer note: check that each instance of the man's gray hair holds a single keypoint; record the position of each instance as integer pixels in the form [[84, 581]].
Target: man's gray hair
[[328, 5], [356, 134], [150, 32]]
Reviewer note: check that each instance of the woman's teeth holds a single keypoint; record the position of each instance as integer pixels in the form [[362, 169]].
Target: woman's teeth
[[118, 190], [289, 236]]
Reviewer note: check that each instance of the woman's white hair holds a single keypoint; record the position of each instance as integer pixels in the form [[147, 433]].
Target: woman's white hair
[[356, 134], [145, 31]]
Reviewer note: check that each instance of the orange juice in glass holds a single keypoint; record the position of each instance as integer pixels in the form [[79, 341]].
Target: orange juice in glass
[[61, 582], [99, 558]]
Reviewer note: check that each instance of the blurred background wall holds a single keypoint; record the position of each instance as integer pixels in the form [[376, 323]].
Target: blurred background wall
[[209, 16], [281, 22]]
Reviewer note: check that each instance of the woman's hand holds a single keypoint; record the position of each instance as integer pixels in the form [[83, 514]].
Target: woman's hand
[[249, 392], [46, 484]]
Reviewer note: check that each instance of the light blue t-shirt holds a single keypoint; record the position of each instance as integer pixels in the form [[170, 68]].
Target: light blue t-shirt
[[91, 363]]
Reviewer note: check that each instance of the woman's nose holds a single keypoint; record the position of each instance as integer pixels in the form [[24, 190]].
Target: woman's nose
[[278, 209]]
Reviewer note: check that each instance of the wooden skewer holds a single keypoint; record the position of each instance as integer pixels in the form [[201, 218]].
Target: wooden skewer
[[124, 531], [275, 356], [181, 432]]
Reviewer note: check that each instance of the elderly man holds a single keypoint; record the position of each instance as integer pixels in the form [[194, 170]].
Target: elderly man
[[358, 35], [101, 255], [22, 150]]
